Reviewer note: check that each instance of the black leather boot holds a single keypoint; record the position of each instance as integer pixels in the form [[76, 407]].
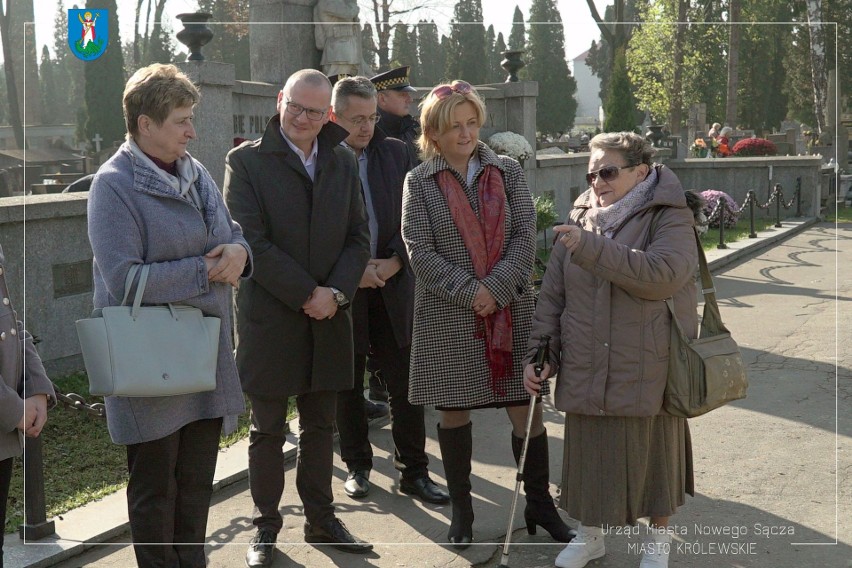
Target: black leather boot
[[540, 510], [456, 448]]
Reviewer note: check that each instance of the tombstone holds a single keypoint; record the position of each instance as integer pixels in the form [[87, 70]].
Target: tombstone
[[697, 122]]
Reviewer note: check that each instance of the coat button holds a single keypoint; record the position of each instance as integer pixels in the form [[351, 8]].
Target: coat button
[[2, 336], [606, 344], [214, 231], [1, 271], [13, 331], [5, 301]]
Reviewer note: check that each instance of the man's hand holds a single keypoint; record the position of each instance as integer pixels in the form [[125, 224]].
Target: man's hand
[[321, 305], [35, 415], [387, 267], [225, 263], [371, 278]]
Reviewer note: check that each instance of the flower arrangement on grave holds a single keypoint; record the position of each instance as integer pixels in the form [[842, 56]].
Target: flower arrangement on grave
[[511, 144], [711, 200], [699, 148], [754, 147]]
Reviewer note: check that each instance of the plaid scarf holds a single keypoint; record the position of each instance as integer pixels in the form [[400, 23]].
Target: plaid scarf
[[608, 218], [483, 237]]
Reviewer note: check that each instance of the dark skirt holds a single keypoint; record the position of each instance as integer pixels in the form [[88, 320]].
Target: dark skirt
[[619, 469]]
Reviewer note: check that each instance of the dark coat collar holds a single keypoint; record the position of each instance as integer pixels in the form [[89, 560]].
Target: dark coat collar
[[329, 136]]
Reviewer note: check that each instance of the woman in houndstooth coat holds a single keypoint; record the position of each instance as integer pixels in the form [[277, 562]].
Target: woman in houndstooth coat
[[468, 222]]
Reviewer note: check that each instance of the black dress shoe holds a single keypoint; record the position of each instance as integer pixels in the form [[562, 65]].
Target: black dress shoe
[[357, 483], [336, 534], [424, 488], [261, 550]]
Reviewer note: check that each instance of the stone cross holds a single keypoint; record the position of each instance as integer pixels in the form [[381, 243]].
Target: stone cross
[[97, 140]]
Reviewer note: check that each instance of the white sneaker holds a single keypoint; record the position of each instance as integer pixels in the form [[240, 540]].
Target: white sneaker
[[586, 546], [657, 546]]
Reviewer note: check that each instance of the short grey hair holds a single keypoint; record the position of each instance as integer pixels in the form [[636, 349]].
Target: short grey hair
[[311, 77], [351, 87], [635, 149]]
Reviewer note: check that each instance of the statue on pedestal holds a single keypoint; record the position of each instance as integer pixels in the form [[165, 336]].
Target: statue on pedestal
[[338, 36]]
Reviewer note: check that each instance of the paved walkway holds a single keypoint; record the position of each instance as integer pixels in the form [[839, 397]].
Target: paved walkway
[[772, 471]]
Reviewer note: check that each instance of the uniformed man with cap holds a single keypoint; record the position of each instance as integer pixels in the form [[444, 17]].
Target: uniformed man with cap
[[394, 101]]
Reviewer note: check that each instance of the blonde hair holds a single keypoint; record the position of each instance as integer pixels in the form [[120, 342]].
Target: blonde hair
[[436, 117], [155, 91]]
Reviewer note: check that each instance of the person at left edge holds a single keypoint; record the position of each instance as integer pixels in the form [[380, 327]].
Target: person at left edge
[[297, 194], [25, 390], [153, 204], [383, 308]]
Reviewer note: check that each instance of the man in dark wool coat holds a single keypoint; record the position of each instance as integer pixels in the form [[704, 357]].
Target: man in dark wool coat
[[383, 308], [297, 194]]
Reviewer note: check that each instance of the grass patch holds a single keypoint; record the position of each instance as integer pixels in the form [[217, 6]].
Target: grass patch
[[710, 239], [81, 464], [841, 215]]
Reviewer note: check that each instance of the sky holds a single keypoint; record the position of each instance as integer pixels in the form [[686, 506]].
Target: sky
[[580, 28]]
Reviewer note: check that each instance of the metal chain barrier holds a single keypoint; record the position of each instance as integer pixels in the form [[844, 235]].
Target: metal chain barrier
[[74, 401], [723, 210]]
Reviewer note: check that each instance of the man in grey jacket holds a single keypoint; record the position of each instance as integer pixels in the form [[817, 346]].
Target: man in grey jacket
[[297, 194]]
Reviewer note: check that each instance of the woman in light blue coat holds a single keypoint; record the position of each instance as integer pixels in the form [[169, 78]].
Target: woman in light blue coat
[[153, 204]]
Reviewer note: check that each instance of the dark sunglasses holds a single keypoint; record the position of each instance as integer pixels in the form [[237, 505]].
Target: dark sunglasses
[[444, 91], [606, 173]]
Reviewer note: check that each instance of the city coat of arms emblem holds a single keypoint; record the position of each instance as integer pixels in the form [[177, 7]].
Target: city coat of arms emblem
[[88, 32]]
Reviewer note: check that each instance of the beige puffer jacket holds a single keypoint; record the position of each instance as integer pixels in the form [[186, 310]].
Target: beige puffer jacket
[[604, 308]]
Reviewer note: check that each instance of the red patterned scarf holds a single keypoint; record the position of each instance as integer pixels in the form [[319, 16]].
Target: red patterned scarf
[[483, 237]]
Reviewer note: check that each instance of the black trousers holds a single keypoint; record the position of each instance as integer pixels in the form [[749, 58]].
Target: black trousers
[[407, 427], [314, 465], [5, 480], [168, 496]]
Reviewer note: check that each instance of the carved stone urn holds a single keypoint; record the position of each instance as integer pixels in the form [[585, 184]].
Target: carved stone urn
[[195, 33], [512, 63]]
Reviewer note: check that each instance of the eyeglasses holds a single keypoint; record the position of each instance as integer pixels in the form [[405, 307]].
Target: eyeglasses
[[362, 120], [444, 91], [606, 173], [296, 109]]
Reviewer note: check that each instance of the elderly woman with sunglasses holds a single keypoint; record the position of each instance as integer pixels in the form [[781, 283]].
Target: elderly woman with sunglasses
[[468, 223], [627, 245]]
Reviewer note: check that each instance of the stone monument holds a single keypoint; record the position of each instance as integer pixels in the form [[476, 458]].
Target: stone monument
[[338, 35], [276, 51]]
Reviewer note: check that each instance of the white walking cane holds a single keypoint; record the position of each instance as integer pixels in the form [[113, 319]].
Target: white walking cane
[[541, 359]]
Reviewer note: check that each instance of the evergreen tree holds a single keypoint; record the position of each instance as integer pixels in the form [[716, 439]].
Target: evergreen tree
[[49, 94], [412, 57], [499, 48], [467, 44], [105, 84], [68, 71], [518, 35], [429, 52], [368, 45], [600, 59], [445, 49], [490, 39], [556, 106], [404, 50], [618, 108]]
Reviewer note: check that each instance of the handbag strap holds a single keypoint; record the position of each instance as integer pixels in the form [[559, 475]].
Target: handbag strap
[[128, 282], [711, 321], [140, 288]]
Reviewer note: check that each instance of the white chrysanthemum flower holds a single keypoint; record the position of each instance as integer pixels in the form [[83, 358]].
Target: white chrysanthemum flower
[[511, 144]]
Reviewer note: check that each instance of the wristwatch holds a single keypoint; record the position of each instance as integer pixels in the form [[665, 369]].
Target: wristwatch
[[340, 298]]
